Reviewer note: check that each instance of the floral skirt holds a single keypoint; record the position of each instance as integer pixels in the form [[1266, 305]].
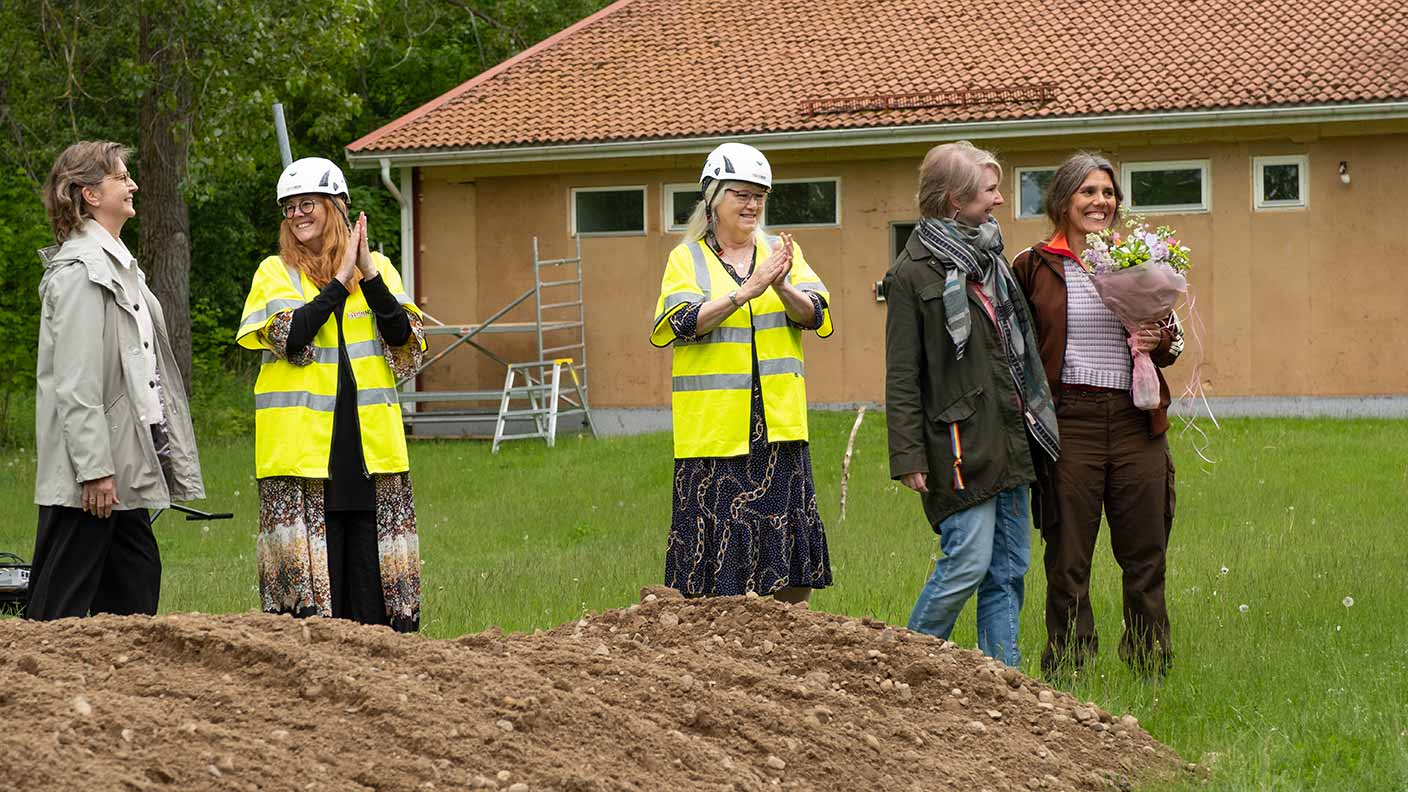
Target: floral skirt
[[293, 551]]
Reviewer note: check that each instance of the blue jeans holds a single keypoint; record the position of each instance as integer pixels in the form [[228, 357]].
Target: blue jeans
[[986, 549]]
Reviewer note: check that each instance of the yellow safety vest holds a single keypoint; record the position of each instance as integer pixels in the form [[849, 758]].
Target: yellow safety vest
[[293, 405], [712, 382]]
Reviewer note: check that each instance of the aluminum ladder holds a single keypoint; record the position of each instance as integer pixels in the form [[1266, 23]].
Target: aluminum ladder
[[542, 387]]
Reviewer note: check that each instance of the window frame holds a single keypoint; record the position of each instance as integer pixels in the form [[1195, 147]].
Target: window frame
[[667, 194], [1301, 161], [1128, 169], [836, 224], [644, 210], [1017, 190]]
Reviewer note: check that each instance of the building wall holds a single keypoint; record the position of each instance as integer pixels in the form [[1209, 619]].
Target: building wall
[[1287, 303]]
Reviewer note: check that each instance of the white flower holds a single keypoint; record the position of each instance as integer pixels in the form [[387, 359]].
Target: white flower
[[1243, 608], [1222, 571], [1349, 602]]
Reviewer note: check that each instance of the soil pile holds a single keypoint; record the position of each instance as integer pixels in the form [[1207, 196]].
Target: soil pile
[[739, 693]]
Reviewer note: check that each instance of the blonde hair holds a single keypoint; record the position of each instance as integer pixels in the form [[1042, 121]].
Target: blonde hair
[[319, 267], [952, 173], [83, 164], [699, 220]]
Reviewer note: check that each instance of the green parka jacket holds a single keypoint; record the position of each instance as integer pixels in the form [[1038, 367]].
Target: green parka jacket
[[928, 391]]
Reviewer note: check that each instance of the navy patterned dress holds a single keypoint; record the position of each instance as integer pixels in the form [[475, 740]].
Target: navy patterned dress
[[745, 523]]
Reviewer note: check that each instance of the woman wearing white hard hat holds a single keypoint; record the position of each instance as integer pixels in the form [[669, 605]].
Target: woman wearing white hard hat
[[337, 524], [734, 303]]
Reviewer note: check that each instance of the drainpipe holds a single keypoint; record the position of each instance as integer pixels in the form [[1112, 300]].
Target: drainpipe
[[389, 183]]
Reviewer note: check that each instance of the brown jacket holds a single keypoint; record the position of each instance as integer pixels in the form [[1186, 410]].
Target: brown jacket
[[1042, 275]]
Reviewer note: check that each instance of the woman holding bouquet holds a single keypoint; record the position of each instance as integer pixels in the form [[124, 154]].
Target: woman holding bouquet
[[1114, 456]]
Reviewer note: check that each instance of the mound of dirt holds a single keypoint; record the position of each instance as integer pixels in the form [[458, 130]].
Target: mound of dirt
[[738, 693]]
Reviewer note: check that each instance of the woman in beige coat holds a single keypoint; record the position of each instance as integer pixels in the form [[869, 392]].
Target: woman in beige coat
[[113, 430]]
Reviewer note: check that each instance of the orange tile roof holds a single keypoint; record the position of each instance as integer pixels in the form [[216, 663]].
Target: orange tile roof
[[660, 69]]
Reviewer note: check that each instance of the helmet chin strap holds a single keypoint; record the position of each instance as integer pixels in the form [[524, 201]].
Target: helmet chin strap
[[342, 210]]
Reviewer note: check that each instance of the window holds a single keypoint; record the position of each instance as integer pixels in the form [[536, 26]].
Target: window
[[815, 202], [899, 237], [1280, 182], [1031, 191], [608, 210], [679, 203], [1167, 186]]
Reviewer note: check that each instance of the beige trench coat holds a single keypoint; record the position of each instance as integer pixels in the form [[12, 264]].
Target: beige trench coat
[[90, 367]]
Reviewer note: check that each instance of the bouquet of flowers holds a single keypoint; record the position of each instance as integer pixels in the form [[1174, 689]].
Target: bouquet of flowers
[[1139, 277]]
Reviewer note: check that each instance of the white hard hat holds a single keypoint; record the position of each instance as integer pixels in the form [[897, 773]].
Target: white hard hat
[[312, 175], [737, 162]]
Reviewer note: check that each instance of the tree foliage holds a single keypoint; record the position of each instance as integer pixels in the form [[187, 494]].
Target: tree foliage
[[189, 85]]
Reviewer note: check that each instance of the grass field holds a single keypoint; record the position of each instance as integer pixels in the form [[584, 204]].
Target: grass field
[[1288, 573]]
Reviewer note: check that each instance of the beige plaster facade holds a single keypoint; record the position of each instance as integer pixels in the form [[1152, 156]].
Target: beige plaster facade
[[1290, 302]]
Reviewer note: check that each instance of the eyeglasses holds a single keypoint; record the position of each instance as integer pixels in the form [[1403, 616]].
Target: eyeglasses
[[304, 206], [747, 196]]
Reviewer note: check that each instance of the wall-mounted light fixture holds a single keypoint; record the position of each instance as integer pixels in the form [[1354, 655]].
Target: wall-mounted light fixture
[[1344, 171]]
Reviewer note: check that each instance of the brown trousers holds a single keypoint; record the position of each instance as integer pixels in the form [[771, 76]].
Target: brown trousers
[[1108, 460]]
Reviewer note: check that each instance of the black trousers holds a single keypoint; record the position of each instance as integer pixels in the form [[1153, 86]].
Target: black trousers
[[354, 567], [85, 564]]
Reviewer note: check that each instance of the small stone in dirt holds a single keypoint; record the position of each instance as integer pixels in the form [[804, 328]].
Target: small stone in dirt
[[503, 775], [751, 594], [601, 650], [995, 715], [904, 692], [669, 620], [871, 740], [887, 684], [1084, 714], [127, 735], [504, 725], [687, 681], [1011, 677], [1046, 705], [519, 787], [874, 654], [189, 727], [279, 734], [213, 770], [776, 763], [768, 646], [81, 706], [1129, 722], [480, 782], [976, 727], [1046, 697]]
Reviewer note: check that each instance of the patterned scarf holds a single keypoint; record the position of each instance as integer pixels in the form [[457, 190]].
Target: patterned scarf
[[975, 253]]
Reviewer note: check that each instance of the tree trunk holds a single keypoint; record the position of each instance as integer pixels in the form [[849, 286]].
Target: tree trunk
[[164, 241]]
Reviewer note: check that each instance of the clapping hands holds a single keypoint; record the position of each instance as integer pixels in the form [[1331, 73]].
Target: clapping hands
[[358, 257]]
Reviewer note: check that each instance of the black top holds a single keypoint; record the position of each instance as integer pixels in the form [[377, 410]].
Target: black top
[[349, 487]]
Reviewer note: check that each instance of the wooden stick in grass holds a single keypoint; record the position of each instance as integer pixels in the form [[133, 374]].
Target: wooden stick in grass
[[846, 460]]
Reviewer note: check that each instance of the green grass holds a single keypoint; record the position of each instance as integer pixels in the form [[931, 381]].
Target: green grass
[[1299, 692]]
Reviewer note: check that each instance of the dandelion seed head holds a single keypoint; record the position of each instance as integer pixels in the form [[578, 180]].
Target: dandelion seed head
[[1349, 602], [1243, 608]]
